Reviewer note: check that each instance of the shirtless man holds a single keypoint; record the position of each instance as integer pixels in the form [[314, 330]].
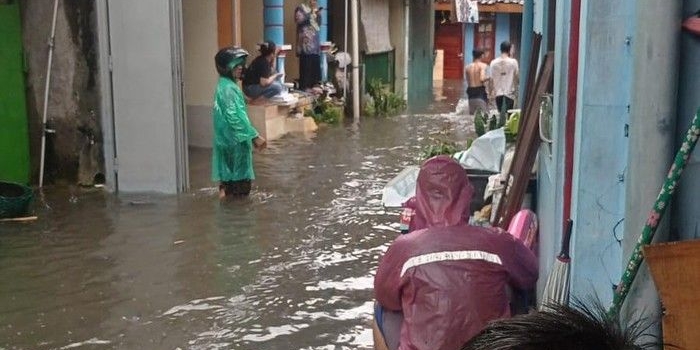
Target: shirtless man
[[476, 80]]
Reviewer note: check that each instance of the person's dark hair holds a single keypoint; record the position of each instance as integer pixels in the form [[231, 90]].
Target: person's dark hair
[[505, 47], [267, 48], [477, 53], [564, 328]]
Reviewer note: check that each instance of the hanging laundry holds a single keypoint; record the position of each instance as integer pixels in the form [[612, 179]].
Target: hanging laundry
[[467, 11]]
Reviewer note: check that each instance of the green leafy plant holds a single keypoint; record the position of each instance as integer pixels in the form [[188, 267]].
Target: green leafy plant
[[382, 102], [325, 112], [484, 123], [479, 122], [440, 144]]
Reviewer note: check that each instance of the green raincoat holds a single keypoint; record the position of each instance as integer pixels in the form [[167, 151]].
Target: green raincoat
[[232, 156]]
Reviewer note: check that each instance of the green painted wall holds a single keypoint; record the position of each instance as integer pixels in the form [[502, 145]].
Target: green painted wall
[[14, 135]]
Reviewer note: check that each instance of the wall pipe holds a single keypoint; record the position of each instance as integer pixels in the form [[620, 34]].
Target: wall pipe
[[46, 95], [355, 61], [323, 37], [407, 29]]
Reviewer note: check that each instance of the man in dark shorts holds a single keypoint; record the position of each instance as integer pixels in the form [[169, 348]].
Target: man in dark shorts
[[477, 77]]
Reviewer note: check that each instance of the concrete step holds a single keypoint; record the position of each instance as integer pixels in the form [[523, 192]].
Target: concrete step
[[273, 121]]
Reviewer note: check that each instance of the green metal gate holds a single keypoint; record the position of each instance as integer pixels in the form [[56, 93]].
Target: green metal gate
[[14, 135], [421, 48], [379, 66]]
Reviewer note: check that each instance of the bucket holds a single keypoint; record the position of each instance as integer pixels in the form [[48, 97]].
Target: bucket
[[478, 179], [14, 200]]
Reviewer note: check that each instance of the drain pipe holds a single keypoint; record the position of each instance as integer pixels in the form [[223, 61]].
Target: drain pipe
[[407, 28], [355, 61], [46, 95]]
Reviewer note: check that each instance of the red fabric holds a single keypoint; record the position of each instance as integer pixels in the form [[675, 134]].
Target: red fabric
[[447, 302]]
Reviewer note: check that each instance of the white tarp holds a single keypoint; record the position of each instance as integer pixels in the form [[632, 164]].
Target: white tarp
[[401, 188], [485, 153], [375, 18]]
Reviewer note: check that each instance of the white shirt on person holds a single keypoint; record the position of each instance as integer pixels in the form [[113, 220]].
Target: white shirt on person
[[504, 76]]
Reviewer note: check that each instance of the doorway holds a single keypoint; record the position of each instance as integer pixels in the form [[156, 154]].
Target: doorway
[[485, 36], [449, 37]]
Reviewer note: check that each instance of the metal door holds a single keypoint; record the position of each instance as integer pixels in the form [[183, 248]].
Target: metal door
[[148, 119], [420, 51], [14, 137]]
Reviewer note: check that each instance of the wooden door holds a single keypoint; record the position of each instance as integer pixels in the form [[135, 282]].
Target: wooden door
[[485, 36], [449, 37]]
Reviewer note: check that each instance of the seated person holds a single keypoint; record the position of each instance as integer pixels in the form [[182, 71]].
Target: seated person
[[438, 286], [260, 79]]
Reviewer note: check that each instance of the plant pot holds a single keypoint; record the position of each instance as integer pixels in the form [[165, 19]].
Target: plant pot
[[14, 200]]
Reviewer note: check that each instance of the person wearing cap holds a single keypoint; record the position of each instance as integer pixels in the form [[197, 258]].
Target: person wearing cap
[[261, 78], [234, 135], [438, 286]]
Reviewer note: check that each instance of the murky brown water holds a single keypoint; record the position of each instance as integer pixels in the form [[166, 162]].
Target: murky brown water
[[291, 267]]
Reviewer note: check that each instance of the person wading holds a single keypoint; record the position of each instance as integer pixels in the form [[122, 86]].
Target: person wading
[[504, 77], [234, 136], [438, 286], [477, 78]]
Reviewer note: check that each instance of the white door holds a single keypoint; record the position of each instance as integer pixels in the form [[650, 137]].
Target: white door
[[149, 137]]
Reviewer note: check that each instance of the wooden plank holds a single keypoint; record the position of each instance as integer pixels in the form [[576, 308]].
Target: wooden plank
[[530, 84], [501, 8], [22, 219], [674, 270], [526, 149]]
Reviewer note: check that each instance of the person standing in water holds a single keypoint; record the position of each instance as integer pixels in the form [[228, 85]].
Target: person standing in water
[[234, 135], [504, 76], [477, 77]]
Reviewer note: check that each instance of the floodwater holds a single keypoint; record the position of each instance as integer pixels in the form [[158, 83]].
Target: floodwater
[[291, 267]]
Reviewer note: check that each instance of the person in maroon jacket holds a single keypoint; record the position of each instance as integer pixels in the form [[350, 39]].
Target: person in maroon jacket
[[440, 285]]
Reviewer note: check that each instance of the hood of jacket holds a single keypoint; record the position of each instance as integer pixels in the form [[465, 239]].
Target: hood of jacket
[[443, 194]]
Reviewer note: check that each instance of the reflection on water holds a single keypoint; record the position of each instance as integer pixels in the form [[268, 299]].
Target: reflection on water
[[291, 267]]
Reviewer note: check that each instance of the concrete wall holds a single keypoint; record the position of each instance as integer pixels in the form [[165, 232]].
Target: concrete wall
[[200, 45], [685, 219], [74, 153], [601, 147], [652, 131]]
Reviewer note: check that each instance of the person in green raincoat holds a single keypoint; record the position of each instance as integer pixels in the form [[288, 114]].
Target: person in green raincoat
[[234, 135]]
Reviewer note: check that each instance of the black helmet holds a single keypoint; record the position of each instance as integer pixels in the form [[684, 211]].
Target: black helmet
[[228, 58]]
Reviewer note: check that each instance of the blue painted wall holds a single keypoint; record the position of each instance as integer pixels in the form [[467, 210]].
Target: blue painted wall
[[601, 147]]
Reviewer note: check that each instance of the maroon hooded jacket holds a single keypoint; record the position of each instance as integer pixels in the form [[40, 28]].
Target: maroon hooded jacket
[[448, 278]]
